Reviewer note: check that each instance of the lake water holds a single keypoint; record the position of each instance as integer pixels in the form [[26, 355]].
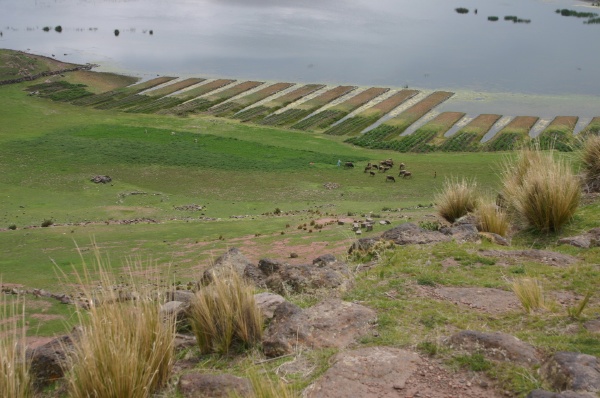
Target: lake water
[[424, 44]]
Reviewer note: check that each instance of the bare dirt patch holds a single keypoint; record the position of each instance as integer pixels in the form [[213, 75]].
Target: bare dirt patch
[[541, 256], [490, 300]]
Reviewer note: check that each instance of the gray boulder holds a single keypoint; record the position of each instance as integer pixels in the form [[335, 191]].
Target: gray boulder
[[47, 362], [233, 259], [268, 303], [301, 278], [332, 323], [586, 240], [498, 346], [409, 233], [573, 371]]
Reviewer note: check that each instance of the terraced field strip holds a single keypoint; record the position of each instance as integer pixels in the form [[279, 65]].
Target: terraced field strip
[[201, 104], [329, 116], [229, 108], [179, 98], [423, 139], [467, 139], [593, 127], [364, 119], [258, 112], [114, 95], [146, 103], [513, 135], [559, 134], [293, 115], [60, 90]]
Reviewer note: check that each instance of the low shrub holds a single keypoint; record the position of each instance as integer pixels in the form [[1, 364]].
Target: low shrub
[[15, 381], [12, 227], [47, 222], [224, 315], [457, 199]]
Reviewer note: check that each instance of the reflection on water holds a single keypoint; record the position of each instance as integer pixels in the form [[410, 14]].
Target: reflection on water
[[424, 44]]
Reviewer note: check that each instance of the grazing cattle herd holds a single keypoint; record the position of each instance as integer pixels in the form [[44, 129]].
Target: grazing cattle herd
[[382, 167]]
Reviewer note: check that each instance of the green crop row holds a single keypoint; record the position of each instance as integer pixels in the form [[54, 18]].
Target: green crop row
[[505, 142], [252, 113], [127, 102], [189, 107], [352, 126], [288, 117], [460, 142], [60, 90], [556, 139], [321, 120], [155, 106]]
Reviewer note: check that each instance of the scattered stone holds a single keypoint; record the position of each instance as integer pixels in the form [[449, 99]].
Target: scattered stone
[[363, 245], [494, 238], [573, 371], [485, 299], [181, 295], [592, 326], [332, 323], [192, 207], [331, 185], [293, 255], [462, 232], [184, 341], [498, 346], [299, 278], [587, 240], [268, 303], [99, 179], [47, 360], [543, 256], [367, 373], [196, 385], [233, 259], [409, 233]]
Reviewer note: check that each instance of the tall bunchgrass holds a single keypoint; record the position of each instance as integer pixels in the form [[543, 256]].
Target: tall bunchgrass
[[15, 381], [530, 293], [491, 218], [458, 198], [224, 315], [541, 192], [124, 347], [590, 160]]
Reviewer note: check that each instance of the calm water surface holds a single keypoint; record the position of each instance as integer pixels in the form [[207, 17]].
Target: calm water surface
[[424, 44]]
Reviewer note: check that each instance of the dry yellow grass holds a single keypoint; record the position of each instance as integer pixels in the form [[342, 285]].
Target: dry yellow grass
[[15, 381], [541, 192], [530, 294], [224, 314], [457, 199], [265, 388], [590, 160], [491, 218], [125, 347]]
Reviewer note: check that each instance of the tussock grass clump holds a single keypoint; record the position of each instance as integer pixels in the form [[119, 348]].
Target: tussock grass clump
[[590, 159], [457, 199], [541, 191], [530, 293], [124, 347], [491, 218], [15, 381], [224, 314]]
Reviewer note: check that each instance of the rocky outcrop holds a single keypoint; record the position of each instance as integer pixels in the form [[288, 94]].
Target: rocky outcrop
[[498, 346], [233, 259], [332, 323], [587, 240], [268, 303], [198, 385], [367, 373], [410, 233], [573, 371]]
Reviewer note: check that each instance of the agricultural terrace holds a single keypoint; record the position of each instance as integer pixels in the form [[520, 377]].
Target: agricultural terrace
[[380, 136], [514, 135], [559, 134], [258, 112], [467, 139], [137, 103], [300, 111], [230, 108], [199, 105], [120, 93], [431, 132], [163, 105], [356, 124], [331, 115], [593, 127]]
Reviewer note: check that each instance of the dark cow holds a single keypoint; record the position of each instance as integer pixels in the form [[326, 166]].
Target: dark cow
[[407, 174], [390, 178], [349, 165]]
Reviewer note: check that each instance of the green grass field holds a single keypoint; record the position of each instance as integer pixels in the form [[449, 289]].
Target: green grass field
[[261, 189]]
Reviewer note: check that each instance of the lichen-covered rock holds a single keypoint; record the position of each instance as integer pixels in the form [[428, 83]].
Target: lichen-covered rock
[[573, 371], [268, 303], [47, 361], [233, 259], [373, 372], [301, 278], [332, 323], [498, 346], [409, 233]]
